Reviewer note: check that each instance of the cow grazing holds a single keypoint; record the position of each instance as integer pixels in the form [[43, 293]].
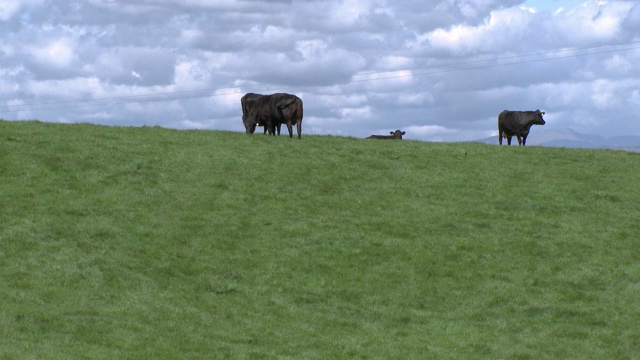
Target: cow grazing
[[517, 123], [394, 135], [248, 102], [271, 111]]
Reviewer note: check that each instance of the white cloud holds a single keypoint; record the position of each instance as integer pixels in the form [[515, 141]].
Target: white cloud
[[188, 124], [355, 114], [497, 32], [618, 64], [348, 13], [59, 53], [430, 131], [416, 99], [593, 20], [72, 88], [191, 74], [225, 100], [613, 94], [23, 113], [8, 8]]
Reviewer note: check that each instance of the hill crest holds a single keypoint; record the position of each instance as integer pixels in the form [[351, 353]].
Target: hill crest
[[570, 138]]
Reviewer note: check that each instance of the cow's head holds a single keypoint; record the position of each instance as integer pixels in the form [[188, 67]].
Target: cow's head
[[249, 125], [397, 134], [538, 119], [250, 128]]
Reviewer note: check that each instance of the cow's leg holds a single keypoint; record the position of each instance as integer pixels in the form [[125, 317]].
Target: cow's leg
[[299, 128], [500, 139], [524, 139], [268, 127], [290, 128], [519, 140], [509, 140], [278, 127]]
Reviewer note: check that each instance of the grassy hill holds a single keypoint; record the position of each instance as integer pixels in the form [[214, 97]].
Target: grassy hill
[[155, 243]]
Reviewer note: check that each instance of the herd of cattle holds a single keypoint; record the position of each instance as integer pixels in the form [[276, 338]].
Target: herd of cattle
[[271, 111]]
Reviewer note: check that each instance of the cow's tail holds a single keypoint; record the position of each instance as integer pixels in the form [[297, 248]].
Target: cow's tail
[[501, 133]]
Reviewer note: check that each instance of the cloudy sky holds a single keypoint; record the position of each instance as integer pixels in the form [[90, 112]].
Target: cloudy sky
[[441, 70]]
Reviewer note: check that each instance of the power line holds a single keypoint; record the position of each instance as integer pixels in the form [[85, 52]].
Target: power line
[[520, 56], [366, 77], [490, 65]]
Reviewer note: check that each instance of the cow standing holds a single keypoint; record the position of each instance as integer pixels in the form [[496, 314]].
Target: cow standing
[[517, 123], [394, 135], [272, 111]]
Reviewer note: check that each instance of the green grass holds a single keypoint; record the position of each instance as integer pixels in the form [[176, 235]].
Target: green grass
[[154, 243]]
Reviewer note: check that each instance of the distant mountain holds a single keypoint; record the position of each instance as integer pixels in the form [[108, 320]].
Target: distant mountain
[[572, 139]]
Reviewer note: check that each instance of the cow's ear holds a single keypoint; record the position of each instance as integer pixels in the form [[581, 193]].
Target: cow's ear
[[392, 133], [542, 113], [403, 133]]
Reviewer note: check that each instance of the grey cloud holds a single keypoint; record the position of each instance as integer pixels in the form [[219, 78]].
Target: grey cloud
[[632, 21], [139, 66]]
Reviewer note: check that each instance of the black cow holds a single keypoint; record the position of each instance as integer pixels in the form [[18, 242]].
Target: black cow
[[517, 123], [394, 135], [271, 111], [248, 102]]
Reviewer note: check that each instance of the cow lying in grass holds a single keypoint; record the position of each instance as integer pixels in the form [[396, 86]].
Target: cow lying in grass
[[394, 135]]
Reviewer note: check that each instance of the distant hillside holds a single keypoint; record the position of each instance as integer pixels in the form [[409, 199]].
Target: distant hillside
[[572, 139]]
